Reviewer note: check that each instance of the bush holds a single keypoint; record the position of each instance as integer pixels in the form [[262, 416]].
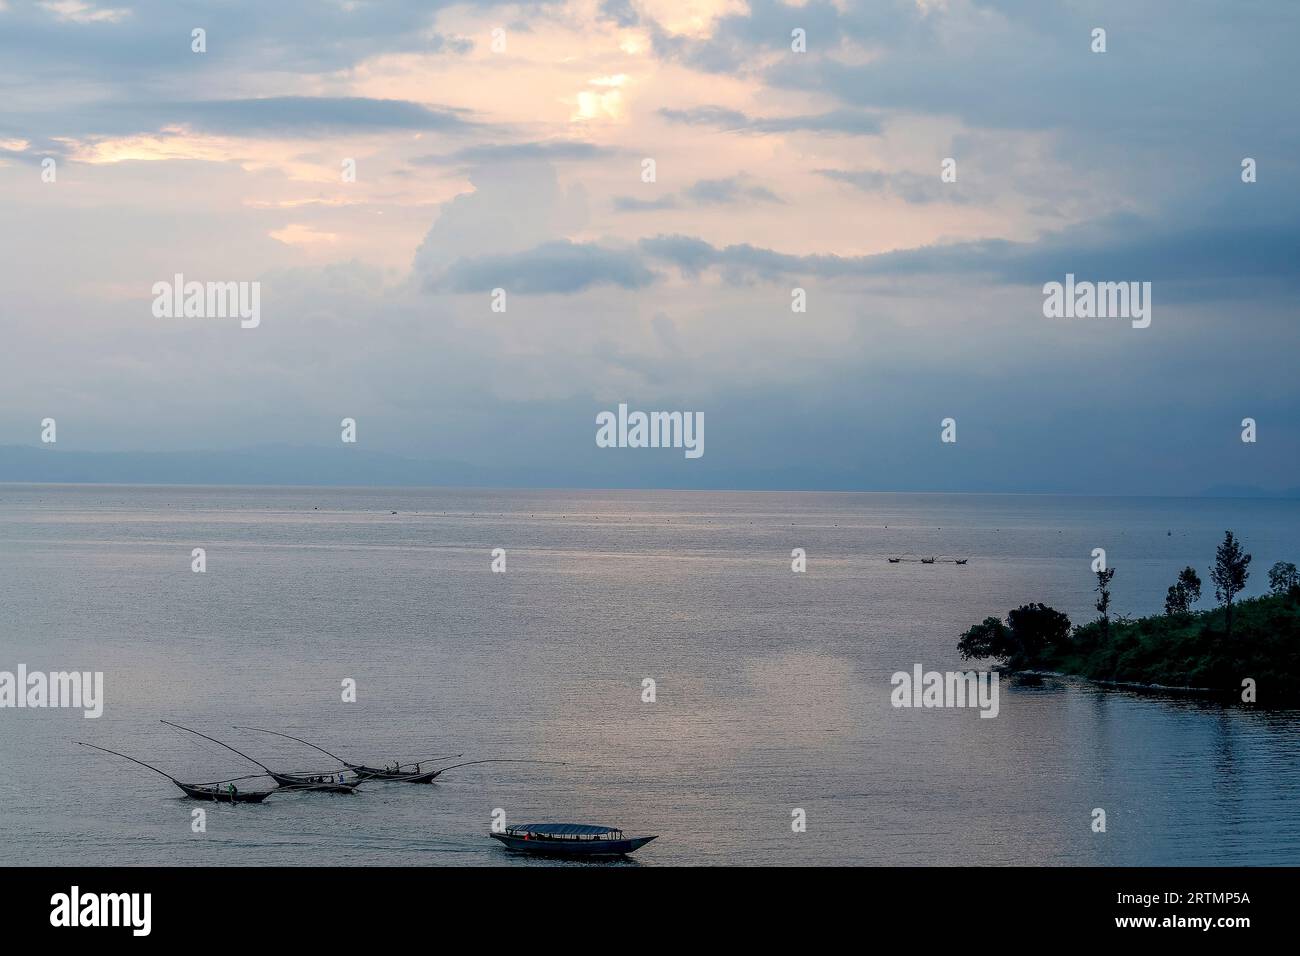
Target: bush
[[1035, 628], [1189, 650], [1020, 642], [989, 638]]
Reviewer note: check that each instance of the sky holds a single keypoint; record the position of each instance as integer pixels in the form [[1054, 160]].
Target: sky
[[504, 146]]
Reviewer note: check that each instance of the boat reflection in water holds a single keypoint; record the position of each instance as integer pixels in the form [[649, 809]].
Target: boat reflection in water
[[569, 839]]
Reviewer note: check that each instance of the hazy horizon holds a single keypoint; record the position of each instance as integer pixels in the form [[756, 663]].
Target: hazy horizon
[[289, 466]]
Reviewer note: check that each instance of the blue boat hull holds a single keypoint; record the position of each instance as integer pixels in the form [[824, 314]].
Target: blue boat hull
[[572, 847]]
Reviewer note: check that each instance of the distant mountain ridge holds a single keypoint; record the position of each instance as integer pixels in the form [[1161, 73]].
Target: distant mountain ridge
[[257, 465], [1248, 491], [284, 464]]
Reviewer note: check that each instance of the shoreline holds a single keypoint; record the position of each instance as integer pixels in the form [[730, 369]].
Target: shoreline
[[1129, 685], [1227, 697]]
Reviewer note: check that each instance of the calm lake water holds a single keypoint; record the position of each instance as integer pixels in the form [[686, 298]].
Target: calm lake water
[[772, 687]]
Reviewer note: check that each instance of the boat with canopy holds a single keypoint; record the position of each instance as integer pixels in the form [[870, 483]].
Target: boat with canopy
[[569, 839]]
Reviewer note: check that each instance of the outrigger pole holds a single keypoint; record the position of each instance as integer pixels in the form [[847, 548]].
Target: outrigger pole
[[292, 781], [441, 770], [149, 766], [133, 760], [470, 763], [345, 763], [219, 743], [299, 739]]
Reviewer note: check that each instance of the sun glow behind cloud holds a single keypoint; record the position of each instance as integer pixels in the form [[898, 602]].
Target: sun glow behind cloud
[[297, 234]]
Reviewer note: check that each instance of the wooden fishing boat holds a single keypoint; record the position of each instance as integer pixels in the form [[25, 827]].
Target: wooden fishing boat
[[569, 839], [398, 772], [219, 791], [412, 772], [318, 782], [401, 776], [217, 795], [960, 560], [927, 560], [419, 776], [895, 560]]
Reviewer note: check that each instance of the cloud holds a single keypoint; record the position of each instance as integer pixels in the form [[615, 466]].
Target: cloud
[[743, 261], [745, 39], [1007, 64], [512, 208], [908, 186], [549, 150], [620, 12], [848, 122], [299, 234], [510, 232], [1216, 249], [313, 115], [75, 11], [633, 204], [732, 189], [726, 191], [1117, 167], [560, 266], [718, 116], [244, 37], [177, 125]]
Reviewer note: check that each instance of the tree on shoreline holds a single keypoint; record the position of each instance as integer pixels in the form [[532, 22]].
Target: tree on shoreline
[[1229, 573], [1103, 598], [1282, 577], [1028, 631], [989, 638], [1182, 648], [1184, 592]]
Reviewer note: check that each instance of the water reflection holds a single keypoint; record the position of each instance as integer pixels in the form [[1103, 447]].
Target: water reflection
[[772, 689]]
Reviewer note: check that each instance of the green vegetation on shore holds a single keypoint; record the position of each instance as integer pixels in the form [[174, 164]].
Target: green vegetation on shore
[[1219, 650]]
